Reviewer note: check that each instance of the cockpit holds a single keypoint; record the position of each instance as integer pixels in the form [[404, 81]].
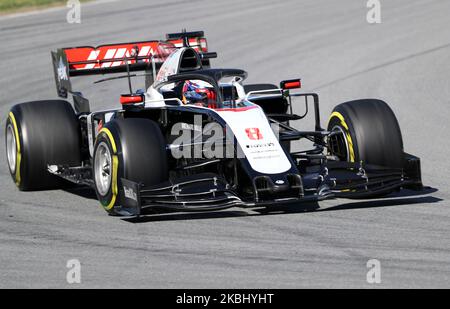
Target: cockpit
[[211, 88]]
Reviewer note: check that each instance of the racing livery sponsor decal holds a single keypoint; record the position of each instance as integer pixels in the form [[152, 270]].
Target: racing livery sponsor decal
[[131, 198], [129, 193], [95, 56], [257, 140], [62, 70], [253, 133]]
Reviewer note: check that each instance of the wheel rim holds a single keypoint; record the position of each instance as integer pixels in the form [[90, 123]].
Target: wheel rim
[[338, 144], [103, 168], [11, 148]]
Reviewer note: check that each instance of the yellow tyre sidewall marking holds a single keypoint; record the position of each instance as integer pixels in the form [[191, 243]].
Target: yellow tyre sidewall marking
[[347, 134], [115, 166], [18, 153]]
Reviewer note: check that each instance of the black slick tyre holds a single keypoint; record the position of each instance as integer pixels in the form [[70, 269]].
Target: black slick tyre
[[133, 149], [37, 134]]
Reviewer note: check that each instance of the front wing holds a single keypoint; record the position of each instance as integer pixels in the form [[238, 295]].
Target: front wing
[[206, 192]]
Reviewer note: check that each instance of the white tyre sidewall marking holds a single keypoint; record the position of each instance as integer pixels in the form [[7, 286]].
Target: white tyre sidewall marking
[[102, 157], [11, 148]]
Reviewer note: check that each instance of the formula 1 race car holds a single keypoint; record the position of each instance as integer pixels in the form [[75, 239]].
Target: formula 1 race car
[[198, 138]]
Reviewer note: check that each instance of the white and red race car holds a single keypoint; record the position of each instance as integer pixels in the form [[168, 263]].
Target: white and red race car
[[198, 138]]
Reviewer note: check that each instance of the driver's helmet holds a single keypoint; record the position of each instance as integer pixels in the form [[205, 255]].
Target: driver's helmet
[[198, 92]]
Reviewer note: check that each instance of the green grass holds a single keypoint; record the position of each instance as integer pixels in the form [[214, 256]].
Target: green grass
[[7, 6]]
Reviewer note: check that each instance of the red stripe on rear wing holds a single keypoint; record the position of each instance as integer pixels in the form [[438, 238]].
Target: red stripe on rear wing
[[114, 55], [113, 58], [109, 56]]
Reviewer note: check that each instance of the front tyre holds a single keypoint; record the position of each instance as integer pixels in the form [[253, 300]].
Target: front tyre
[[366, 130], [133, 149]]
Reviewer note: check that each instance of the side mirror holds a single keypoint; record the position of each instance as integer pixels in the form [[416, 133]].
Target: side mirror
[[291, 84], [131, 99]]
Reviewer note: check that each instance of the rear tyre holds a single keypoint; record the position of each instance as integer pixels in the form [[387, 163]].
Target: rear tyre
[[37, 134], [133, 149], [367, 131]]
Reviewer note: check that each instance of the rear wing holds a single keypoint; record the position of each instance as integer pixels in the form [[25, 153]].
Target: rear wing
[[116, 58]]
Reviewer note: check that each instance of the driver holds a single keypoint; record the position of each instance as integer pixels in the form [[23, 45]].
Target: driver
[[200, 93]]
